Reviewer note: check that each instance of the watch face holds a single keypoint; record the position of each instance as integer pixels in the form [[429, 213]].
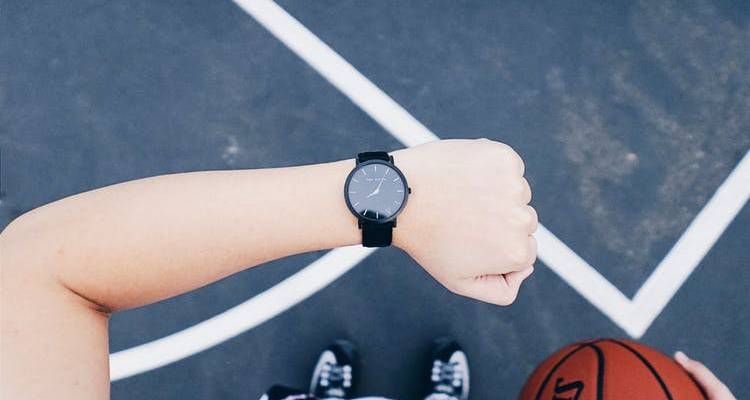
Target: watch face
[[376, 191]]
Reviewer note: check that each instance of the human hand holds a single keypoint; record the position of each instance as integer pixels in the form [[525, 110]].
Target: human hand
[[467, 221], [714, 388]]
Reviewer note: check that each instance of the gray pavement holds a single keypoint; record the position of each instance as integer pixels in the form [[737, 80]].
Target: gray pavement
[[629, 116]]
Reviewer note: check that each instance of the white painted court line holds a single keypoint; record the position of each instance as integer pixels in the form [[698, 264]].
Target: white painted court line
[[338, 72], [584, 278], [693, 245], [633, 316], [238, 319]]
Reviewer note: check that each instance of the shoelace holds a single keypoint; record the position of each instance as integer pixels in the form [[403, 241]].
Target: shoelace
[[447, 378], [334, 377]]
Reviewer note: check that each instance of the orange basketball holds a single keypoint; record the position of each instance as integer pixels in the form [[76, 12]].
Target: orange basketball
[[605, 369]]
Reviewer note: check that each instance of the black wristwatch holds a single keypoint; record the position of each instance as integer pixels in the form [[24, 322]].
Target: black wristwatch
[[376, 192]]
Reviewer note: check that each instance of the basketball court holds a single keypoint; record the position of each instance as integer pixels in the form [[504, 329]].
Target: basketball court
[[632, 119]]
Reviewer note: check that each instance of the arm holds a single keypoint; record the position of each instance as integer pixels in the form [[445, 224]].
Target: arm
[[67, 265]]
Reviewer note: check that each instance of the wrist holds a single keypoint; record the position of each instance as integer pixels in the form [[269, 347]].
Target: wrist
[[327, 221], [407, 227]]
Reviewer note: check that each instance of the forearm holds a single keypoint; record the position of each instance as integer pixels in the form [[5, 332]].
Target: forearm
[[64, 266], [142, 241]]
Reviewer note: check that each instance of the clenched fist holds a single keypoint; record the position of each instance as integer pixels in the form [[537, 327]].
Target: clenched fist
[[468, 222]]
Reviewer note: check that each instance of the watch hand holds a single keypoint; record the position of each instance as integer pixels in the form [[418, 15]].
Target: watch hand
[[377, 189], [381, 183], [373, 193]]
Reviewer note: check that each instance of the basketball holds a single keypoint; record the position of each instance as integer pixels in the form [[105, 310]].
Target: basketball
[[604, 369]]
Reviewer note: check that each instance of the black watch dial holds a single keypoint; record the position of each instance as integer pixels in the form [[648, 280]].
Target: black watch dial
[[376, 191]]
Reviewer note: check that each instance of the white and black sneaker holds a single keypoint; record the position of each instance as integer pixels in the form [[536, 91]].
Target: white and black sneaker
[[449, 372], [333, 374]]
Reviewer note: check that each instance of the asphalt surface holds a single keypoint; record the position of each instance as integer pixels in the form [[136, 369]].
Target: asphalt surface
[[629, 116]]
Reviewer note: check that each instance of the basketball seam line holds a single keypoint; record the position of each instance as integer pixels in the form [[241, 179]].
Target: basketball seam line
[[647, 364], [599, 372], [562, 360]]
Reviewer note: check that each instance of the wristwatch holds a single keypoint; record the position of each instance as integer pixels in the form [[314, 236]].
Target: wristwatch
[[376, 192]]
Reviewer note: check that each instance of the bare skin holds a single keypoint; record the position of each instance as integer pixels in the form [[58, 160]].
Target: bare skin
[[715, 389], [68, 265]]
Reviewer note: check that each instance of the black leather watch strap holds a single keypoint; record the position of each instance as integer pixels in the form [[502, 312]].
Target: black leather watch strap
[[376, 234], [373, 155]]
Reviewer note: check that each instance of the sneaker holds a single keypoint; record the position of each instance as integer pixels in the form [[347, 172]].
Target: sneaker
[[332, 377], [449, 372]]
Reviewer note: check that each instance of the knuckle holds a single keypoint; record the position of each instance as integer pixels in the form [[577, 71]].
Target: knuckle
[[526, 187], [501, 153], [510, 158], [509, 152], [485, 146], [532, 214], [525, 217], [533, 250], [514, 187], [505, 149], [521, 164], [515, 160], [495, 147], [532, 258]]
